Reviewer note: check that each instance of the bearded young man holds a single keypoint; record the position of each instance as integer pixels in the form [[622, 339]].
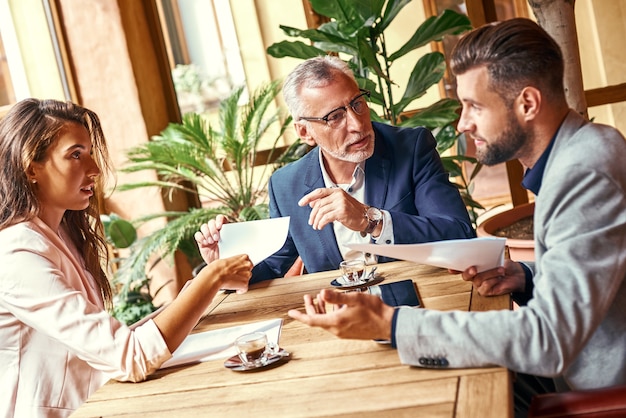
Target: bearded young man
[[572, 330]]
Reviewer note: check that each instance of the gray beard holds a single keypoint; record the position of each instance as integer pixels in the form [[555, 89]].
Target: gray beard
[[354, 157]]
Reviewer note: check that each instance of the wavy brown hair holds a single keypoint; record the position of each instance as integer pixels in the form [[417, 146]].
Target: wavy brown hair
[[26, 134]]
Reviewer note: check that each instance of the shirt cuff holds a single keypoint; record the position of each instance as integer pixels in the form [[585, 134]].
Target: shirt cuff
[[394, 321], [522, 298], [386, 233]]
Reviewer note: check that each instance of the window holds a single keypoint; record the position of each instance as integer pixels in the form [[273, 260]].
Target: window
[[7, 95], [12, 80], [30, 55], [204, 52]]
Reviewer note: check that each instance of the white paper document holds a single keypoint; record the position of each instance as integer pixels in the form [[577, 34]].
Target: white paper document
[[218, 344], [259, 239], [484, 253]]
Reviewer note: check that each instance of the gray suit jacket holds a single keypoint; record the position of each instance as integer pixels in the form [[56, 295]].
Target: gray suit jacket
[[574, 327]]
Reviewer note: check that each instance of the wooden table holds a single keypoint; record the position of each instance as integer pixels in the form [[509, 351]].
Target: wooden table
[[326, 376]]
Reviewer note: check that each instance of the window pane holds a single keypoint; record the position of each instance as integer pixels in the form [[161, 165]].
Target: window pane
[[7, 95]]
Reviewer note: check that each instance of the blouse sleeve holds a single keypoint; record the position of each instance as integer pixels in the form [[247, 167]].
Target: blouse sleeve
[[43, 288]]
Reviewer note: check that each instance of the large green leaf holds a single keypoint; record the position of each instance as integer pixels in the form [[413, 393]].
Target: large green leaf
[[451, 167], [325, 33], [119, 232], [446, 138], [391, 11], [368, 55], [434, 116], [434, 29], [122, 233], [351, 15], [428, 71], [337, 40], [295, 49]]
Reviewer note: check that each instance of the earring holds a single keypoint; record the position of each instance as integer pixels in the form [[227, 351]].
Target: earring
[[33, 181]]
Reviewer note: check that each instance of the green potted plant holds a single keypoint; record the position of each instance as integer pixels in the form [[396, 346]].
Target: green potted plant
[[356, 30], [224, 166], [132, 299], [516, 225]]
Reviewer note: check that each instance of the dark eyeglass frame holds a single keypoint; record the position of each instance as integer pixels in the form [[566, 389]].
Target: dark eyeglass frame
[[350, 105]]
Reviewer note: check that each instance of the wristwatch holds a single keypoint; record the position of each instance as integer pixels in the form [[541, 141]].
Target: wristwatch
[[374, 216]]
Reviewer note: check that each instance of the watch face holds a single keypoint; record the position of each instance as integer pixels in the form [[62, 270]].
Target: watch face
[[374, 214]]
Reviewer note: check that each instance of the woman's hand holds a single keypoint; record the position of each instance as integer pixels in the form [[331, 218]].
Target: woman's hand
[[232, 273], [207, 238]]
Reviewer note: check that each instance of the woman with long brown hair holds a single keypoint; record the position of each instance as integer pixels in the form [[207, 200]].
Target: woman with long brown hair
[[58, 343]]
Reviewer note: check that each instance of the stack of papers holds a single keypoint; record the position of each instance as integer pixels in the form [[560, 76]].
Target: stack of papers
[[218, 344], [484, 253]]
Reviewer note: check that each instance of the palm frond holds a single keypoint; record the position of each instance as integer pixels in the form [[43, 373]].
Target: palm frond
[[164, 241], [219, 164]]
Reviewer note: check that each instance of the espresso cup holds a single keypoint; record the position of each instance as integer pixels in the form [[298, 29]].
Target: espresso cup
[[254, 349], [353, 271]]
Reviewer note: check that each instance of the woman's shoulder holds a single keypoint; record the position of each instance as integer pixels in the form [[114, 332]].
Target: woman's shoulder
[[24, 250], [27, 235]]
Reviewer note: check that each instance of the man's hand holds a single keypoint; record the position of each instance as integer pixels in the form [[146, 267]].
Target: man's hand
[[499, 281], [334, 204], [355, 315], [208, 236]]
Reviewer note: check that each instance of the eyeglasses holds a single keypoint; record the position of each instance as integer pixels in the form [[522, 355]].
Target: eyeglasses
[[336, 117]]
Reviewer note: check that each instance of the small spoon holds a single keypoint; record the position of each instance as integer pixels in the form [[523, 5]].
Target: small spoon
[[371, 275]]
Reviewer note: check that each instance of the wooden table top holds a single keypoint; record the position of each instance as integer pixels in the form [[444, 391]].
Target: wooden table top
[[326, 376]]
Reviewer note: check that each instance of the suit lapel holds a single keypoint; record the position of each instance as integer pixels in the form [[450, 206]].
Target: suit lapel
[[377, 176], [313, 179]]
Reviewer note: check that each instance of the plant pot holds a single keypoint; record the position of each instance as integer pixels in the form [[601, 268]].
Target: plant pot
[[519, 249]]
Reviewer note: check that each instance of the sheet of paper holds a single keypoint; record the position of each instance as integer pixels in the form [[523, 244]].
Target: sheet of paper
[[218, 344], [259, 239], [484, 253]]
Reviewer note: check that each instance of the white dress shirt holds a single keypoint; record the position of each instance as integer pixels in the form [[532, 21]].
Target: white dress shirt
[[57, 342], [346, 236]]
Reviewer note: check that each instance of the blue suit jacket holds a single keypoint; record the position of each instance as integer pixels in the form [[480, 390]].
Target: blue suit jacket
[[404, 176]]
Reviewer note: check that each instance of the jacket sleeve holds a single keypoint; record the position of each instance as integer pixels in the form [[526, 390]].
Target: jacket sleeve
[[574, 323], [39, 289], [431, 207]]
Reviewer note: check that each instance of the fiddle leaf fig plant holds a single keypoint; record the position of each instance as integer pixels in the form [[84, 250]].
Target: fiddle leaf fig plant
[[356, 32]]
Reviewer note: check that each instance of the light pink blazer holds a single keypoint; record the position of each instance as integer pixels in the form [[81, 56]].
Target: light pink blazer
[[57, 342]]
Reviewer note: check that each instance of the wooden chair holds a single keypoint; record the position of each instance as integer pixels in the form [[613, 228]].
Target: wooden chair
[[595, 403]]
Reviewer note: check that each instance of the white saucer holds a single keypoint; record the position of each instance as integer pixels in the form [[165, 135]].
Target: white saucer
[[234, 363], [341, 282]]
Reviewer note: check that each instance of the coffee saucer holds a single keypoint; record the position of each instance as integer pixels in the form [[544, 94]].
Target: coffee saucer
[[341, 283], [235, 363]]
